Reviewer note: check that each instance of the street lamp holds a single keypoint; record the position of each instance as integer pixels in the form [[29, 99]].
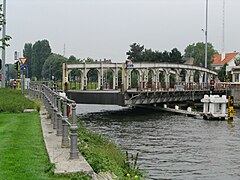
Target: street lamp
[[206, 28]]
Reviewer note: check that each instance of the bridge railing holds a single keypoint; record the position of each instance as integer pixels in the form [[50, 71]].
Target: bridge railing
[[62, 112], [163, 86], [149, 86]]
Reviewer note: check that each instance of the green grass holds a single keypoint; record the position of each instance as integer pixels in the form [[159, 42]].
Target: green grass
[[105, 156], [23, 154], [14, 101], [22, 151]]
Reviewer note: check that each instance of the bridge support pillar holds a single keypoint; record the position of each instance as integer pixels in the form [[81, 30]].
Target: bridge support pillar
[[64, 77], [167, 79]]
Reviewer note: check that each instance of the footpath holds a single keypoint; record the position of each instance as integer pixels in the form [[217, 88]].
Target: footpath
[[58, 155]]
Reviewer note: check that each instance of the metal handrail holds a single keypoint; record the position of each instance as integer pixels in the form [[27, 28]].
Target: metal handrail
[[57, 108]]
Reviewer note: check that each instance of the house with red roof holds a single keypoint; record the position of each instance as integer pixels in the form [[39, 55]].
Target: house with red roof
[[221, 59]]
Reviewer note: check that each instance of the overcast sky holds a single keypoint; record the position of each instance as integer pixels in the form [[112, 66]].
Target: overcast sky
[[105, 28]]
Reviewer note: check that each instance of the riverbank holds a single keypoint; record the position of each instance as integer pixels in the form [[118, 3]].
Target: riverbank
[[22, 149], [24, 152]]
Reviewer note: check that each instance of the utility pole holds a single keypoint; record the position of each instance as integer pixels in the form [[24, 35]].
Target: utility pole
[[3, 49], [206, 51], [223, 28]]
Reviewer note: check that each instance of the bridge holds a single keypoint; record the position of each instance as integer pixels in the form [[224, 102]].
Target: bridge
[[136, 83]]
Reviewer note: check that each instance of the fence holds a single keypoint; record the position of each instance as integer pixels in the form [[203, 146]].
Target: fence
[[59, 109]]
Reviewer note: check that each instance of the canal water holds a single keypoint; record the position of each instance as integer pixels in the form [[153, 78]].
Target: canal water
[[170, 146]]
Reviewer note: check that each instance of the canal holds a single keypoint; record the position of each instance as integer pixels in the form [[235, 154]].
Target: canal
[[170, 146]]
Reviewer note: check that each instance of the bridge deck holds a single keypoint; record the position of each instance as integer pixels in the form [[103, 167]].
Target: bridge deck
[[131, 97]]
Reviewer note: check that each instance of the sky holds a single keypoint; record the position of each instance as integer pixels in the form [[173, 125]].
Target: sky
[[105, 28]]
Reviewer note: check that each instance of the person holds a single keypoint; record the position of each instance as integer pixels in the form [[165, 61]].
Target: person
[[14, 84]]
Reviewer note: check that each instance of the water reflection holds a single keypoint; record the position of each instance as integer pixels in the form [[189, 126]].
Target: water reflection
[[173, 146]]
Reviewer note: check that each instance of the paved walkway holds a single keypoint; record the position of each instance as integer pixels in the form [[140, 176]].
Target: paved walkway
[[58, 155]]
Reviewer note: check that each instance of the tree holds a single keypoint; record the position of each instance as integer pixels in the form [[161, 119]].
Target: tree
[[53, 66], [72, 59], [165, 56], [197, 51], [135, 53], [27, 53], [175, 56], [12, 71], [222, 73], [40, 52], [6, 38], [237, 61], [149, 55]]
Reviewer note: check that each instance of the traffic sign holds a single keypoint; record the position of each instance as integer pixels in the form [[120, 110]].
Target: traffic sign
[[22, 67], [22, 60]]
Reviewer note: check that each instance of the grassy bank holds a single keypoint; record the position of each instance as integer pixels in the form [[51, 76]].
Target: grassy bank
[[22, 150], [23, 154], [104, 156], [14, 101]]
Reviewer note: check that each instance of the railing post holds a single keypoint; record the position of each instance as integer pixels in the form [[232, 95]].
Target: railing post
[[74, 134], [59, 117], [65, 140], [55, 109], [51, 106]]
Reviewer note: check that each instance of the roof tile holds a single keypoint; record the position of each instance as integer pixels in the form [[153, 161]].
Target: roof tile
[[228, 57]]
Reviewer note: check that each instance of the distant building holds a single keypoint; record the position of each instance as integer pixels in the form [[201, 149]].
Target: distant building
[[236, 74], [188, 60], [228, 58]]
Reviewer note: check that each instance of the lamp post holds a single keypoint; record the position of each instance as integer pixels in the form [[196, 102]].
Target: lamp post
[[206, 51], [3, 49]]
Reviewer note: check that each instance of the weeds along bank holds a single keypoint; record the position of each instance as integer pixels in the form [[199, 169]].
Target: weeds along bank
[[105, 156], [26, 136]]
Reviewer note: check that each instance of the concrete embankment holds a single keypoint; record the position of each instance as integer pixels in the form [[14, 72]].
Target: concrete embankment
[[58, 155], [61, 157]]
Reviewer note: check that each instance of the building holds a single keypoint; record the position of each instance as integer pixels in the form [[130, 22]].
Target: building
[[228, 58], [188, 60]]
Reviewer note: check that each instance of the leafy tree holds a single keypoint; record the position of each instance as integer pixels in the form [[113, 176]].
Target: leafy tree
[[87, 60], [149, 55], [175, 56], [158, 56], [12, 71], [197, 51], [135, 53], [27, 53], [72, 59], [222, 73], [53, 66], [165, 56], [6, 38], [40, 52], [237, 61]]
